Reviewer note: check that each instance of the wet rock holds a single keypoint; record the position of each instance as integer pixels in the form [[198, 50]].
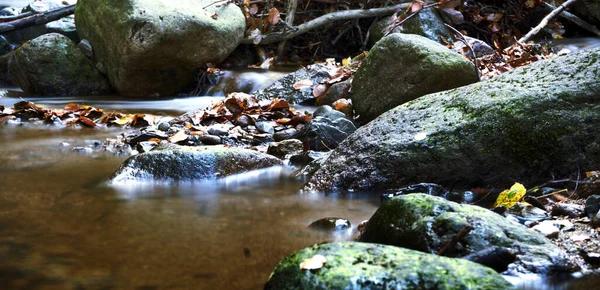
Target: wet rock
[[427, 223], [548, 229], [589, 9], [426, 188], [352, 265], [265, 127], [244, 121], [9, 11], [241, 80], [173, 162], [426, 23], [592, 205], [219, 129], [331, 224], [403, 67], [480, 48], [307, 157], [52, 65], [326, 130], [484, 133], [567, 209], [336, 92], [284, 134], [146, 146], [285, 147], [284, 88], [147, 135], [86, 48], [84, 150], [164, 126], [150, 47], [528, 213]]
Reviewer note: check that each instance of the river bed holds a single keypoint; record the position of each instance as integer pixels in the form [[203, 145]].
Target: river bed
[[63, 227]]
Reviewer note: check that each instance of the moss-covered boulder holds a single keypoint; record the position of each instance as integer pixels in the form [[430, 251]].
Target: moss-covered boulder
[[172, 162], [352, 265], [154, 46], [52, 65], [427, 223], [527, 125], [403, 67]]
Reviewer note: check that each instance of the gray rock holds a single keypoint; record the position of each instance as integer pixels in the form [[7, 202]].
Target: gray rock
[[331, 224], [284, 134], [146, 146], [403, 67], [351, 265], [285, 147], [284, 88], [528, 212], [326, 130], [528, 125], [86, 48], [152, 46], [592, 205], [210, 139], [589, 9], [427, 223], [480, 48], [172, 162], [426, 23], [548, 229], [53, 65], [265, 127], [337, 91]]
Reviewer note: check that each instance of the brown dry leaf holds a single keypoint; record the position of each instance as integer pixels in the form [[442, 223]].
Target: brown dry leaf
[[344, 106], [253, 9], [319, 90], [178, 137], [87, 121], [495, 27], [450, 3], [154, 140], [590, 173], [71, 107], [274, 16], [284, 121], [214, 16], [303, 84], [416, 6], [315, 262], [277, 104], [530, 3]]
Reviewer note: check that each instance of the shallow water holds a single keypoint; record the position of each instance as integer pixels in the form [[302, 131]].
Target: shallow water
[[63, 227]]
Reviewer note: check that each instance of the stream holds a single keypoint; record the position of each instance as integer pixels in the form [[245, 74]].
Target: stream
[[63, 227]]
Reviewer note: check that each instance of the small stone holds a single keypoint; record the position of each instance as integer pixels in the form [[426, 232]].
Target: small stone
[[567, 209], [592, 205], [86, 48], [146, 146], [331, 224], [265, 127], [164, 126], [209, 139], [243, 121], [284, 134], [219, 129], [84, 150], [285, 147], [64, 144], [547, 229]]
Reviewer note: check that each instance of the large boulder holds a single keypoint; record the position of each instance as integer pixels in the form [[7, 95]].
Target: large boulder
[[351, 265], [173, 162], [589, 9], [427, 223], [529, 125], [154, 46], [53, 65], [403, 67]]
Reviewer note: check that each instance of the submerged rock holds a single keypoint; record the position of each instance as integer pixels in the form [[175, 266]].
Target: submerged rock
[[427, 224], [331, 224], [149, 46], [326, 130], [403, 67], [528, 125], [172, 162], [53, 65], [352, 265]]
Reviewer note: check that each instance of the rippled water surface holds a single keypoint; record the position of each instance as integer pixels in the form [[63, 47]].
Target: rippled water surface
[[62, 227]]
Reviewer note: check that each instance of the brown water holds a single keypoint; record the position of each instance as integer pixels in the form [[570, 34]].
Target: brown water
[[63, 227]]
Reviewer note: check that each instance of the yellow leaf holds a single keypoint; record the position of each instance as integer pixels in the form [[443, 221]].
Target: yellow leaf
[[346, 62], [315, 262], [511, 196]]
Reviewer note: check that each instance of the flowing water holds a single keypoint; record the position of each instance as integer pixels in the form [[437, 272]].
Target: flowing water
[[63, 227]]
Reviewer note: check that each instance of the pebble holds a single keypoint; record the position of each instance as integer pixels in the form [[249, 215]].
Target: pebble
[[284, 134], [592, 205], [548, 229], [265, 127], [85, 150]]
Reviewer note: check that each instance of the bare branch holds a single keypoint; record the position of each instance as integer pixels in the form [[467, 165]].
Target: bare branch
[[545, 21], [37, 19]]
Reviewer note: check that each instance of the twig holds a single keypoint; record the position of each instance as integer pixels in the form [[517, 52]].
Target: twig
[[290, 9], [545, 21], [461, 234], [37, 19], [573, 18], [326, 19], [211, 4], [462, 39]]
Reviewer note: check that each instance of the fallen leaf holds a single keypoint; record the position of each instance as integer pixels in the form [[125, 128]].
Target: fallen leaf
[[71, 107], [214, 16], [416, 6], [178, 137], [303, 84], [511, 196], [274, 16], [315, 262], [87, 121], [319, 90]]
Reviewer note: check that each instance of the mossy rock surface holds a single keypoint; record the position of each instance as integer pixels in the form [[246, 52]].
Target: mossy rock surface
[[530, 125], [52, 65], [427, 223], [156, 46], [402, 67], [191, 163], [353, 265]]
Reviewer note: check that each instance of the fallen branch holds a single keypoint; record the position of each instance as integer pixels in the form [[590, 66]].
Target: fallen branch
[[580, 22], [462, 39], [450, 244], [15, 17], [37, 19], [275, 37], [545, 21]]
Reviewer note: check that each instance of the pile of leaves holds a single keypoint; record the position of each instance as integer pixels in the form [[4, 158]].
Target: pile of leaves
[[72, 115]]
